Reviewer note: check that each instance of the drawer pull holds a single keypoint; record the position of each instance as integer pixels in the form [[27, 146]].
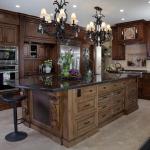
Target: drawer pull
[[104, 87], [78, 92], [104, 107], [86, 105], [86, 122], [91, 91], [103, 115], [105, 97]]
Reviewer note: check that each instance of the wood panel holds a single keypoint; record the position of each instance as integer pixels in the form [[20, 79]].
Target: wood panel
[[9, 17]]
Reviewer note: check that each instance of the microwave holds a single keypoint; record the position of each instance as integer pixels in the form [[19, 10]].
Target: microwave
[[8, 55]]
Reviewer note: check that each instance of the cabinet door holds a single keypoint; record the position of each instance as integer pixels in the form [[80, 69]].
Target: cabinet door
[[118, 51], [1, 34], [148, 40], [29, 67], [36, 66], [32, 30], [146, 86], [10, 34], [41, 51]]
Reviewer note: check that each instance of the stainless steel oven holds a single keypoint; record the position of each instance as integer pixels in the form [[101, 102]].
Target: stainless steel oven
[[7, 73], [8, 55]]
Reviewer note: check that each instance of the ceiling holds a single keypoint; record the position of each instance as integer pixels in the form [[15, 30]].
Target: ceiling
[[133, 9]]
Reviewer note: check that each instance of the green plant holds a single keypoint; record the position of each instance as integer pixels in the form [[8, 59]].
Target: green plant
[[65, 61], [48, 63]]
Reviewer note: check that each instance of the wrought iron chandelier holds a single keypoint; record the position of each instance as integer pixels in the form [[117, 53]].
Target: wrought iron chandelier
[[60, 21], [98, 31]]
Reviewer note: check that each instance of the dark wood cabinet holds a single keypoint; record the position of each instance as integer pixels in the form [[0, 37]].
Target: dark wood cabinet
[[32, 34], [118, 48], [8, 34], [132, 32], [148, 40], [144, 87], [118, 51]]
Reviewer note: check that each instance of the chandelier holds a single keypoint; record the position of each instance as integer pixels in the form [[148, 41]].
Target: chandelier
[[59, 21], [98, 31]]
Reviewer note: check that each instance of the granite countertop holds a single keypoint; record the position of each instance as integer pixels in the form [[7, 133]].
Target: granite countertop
[[53, 83]]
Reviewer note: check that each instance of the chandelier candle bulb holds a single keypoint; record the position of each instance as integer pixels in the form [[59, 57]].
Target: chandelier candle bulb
[[62, 14], [103, 25], [48, 18], [43, 13]]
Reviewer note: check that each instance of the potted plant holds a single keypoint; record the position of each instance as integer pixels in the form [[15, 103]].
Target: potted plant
[[48, 66]]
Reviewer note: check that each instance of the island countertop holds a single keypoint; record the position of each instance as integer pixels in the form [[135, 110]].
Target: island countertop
[[53, 83]]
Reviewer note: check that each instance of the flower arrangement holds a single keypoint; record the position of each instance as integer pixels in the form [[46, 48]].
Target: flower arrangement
[[48, 63], [65, 61]]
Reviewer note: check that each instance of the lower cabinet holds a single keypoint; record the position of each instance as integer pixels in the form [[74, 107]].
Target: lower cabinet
[[111, 103], [144, 87]]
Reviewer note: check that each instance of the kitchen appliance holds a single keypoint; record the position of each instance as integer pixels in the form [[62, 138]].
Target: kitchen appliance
[[9, 69], [8, 55], [7, 73]]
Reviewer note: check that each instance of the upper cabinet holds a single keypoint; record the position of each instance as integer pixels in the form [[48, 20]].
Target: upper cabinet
[[132, 32], [31, 32], [8, 34], [128, 33], [148, 40]]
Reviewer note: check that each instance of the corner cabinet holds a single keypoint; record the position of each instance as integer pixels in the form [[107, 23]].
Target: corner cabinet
[[8, 34]]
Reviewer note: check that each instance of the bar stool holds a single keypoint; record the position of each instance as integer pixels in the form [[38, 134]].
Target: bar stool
[[13, 100]]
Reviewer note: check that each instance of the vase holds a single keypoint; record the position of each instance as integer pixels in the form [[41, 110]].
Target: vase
[[47, 69], [65, 71]]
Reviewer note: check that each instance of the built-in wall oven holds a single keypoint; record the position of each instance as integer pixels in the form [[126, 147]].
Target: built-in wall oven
[[9, 67], [8, 55]]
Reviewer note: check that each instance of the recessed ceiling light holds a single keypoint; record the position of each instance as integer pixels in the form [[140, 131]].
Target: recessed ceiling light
[[149, 2], [122, 19], [74, 6], [17, 6], [121, 10]]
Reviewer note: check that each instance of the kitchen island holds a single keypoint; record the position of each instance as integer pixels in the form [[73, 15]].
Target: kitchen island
[[70, 111]]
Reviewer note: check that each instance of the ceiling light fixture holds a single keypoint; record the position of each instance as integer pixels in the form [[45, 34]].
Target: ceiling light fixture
[[60, 20], [122, 19], [17, 6], [149, 2], [98, 31], [74, 6], [121, 10]]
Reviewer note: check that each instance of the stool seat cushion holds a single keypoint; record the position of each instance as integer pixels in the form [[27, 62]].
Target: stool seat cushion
[[12, 98]]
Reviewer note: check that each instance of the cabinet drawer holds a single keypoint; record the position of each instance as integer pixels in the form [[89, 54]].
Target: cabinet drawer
[[84, 93], [103, 116], [105, 102], [118, 109], [104, 89], [132, 93], [85, 105], [86, 124]]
